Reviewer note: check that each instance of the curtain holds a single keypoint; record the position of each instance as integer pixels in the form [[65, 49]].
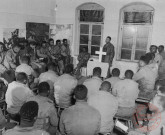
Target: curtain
[[91, 15], [138, 17]]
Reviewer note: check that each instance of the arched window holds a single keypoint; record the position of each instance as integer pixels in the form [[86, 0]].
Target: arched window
[[136, 21], [89, 27]]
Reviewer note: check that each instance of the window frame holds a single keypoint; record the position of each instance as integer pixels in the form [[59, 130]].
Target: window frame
[[132, 8], [87, 6]]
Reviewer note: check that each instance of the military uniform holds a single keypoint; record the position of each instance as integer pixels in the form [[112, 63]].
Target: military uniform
[[109, 49], [47, 115], [2, 67], [10, 59]]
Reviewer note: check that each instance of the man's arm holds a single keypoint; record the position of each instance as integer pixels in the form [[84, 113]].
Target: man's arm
[[40, 54]]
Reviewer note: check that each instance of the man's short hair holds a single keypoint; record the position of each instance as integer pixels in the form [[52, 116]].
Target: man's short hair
[[52, 66], [21, 76], [116, 72], [97, 71], [58, 41], [25, 59], [16, 45], [43, 42], [51, 39], [145, 59], [109, 37], [129, 73], [29, 111], [80, 92], [150, 56], [154, 46], [69, 68], [106, 85], [43, 87], [162, 46], [64, 40]]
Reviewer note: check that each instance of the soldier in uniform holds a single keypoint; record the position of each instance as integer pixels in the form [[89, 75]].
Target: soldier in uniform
[[110, 53], [2, 57], [83, 59], [56, 55], [10, 58], [65, 52], [47, 116]]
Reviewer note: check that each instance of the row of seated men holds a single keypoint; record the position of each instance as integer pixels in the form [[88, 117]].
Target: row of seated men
[[118, 101], [97, 101], [39, 54]]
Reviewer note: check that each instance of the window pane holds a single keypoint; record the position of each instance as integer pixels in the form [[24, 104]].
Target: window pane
[[129, 31], [143, 32], [96, 30], [138, 54], [84, 39], [81, 48], [126, 54], [96, 40], [141, 43], [94, 49], [91, 15], [84, 29], [127, 43], [137, 17]]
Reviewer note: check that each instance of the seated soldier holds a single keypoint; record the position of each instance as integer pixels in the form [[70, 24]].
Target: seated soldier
[[146, 78], [107, 105], [16, 95], [161, 70], [2, 57], [152, 63], [81, 118], [65, 52], [43, 51], [24, 67], [49, 76], [10, 57], [28, 115], [56, 55], [158, 58], [93, 84], [63, 88], [83, 58], [127, 92], [47, 116], [115, 77]]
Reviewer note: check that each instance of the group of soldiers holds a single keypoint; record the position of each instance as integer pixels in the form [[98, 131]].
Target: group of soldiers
[[39, 55]]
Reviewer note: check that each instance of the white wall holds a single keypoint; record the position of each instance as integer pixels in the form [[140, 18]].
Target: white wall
[[66, 15], [15, 13]]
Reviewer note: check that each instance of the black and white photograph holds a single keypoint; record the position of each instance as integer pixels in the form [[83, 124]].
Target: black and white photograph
[[82, 67]]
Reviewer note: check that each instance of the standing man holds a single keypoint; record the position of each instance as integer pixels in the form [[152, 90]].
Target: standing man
[[110, 53]]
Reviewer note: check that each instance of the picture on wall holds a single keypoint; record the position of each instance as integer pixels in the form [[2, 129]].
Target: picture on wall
[[37, 31], [62, 31], [12, 36]]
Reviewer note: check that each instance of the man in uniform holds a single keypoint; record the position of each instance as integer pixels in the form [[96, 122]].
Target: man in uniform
[[83, 60], [81, 118], [56, 55], [65, 52], [10, 58], [110, 53], [47, 116]]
